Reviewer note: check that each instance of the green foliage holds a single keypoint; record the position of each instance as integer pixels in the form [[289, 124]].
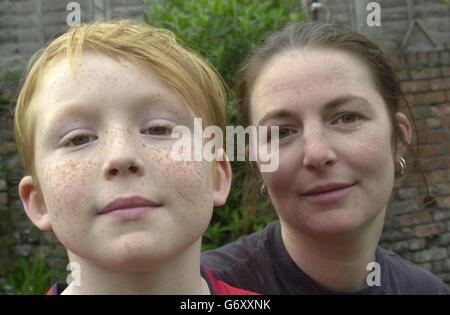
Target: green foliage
[[29, 278], [225, 32]]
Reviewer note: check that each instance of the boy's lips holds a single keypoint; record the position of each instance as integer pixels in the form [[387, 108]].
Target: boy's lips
[[129, 203]]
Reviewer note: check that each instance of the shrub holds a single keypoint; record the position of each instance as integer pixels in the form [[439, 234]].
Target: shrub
[[33, 277]]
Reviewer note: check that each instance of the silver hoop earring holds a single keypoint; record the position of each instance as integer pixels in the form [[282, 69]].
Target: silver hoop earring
[[402, 171], [263, 190]]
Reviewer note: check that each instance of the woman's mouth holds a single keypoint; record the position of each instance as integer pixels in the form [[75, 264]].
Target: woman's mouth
[[328, 193]]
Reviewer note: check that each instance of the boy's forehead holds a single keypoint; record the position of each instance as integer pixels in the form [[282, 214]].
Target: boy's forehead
[[61, 84], [89, 65], [96, 78], [96, 75]]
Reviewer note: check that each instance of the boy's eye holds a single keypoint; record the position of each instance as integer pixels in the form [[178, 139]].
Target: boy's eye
[[78, 140], [159, 131]]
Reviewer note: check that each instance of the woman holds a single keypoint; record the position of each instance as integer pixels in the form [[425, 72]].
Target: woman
[[342, 140]]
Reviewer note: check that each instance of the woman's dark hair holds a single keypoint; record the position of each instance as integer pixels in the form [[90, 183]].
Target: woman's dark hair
[[313, 35]]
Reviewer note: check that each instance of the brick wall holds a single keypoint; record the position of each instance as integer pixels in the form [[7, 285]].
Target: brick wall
[[434, 16], [422, 234], [26, 25]]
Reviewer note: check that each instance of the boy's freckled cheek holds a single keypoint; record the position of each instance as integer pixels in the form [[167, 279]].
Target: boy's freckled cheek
[[191, 180], [193, 173], [65, 185]]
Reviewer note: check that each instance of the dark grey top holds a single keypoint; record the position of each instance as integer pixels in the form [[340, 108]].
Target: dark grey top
[[259, 262]]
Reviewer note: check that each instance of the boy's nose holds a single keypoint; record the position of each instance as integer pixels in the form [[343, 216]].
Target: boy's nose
[[122, 156], [122, 166]]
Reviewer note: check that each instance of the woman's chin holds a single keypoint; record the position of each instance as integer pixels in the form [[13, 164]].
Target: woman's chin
[[331, 223]]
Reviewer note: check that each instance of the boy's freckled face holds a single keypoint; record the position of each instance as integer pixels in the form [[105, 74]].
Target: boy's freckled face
[[103, 132]]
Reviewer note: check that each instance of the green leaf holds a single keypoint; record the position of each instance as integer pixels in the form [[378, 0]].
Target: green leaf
[[33, 277]]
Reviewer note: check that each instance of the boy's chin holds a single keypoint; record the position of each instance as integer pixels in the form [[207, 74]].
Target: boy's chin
[[140, 259], [135, 264]]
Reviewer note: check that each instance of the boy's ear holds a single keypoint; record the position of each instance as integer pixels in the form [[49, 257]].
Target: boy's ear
[[406, 129], [33, 204], [222, 184]]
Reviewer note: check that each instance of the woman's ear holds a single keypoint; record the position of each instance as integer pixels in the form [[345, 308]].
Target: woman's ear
[[406, 130], [34, 204], [222, 183]]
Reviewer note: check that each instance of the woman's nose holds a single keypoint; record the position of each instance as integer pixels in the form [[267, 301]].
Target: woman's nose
[[318, 151]]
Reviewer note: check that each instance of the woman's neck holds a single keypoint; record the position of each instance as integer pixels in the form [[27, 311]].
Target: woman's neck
[[338, 261], [180, 275]]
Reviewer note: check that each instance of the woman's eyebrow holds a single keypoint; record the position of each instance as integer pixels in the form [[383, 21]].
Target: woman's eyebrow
[[275, 114], [328, 106], [344, 99]]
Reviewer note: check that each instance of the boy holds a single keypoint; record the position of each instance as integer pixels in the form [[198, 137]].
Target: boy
[[130, 217]]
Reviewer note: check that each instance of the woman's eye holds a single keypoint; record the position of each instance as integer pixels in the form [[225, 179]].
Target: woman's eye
[[159, 131], [348, 118], [284, 132], [78, 140]]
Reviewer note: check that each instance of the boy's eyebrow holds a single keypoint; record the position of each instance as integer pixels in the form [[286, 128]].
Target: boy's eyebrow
[[83, 110], [334, 103], [72, 110]]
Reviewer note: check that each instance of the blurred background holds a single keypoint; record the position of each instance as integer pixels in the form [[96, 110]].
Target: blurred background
[[414, 33]]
